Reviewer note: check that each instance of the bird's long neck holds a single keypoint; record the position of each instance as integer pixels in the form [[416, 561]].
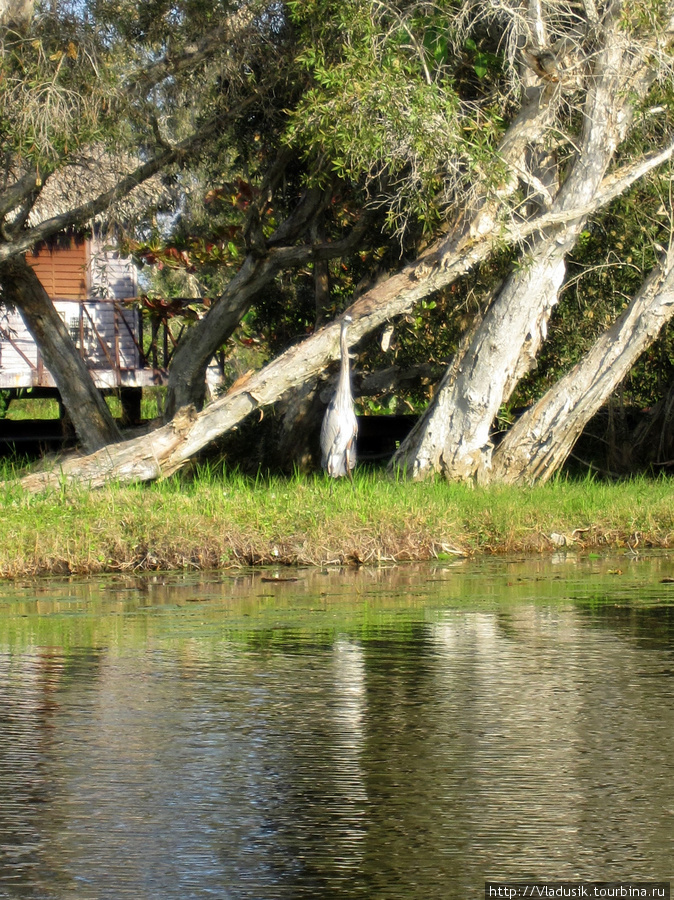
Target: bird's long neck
[[344, 385]]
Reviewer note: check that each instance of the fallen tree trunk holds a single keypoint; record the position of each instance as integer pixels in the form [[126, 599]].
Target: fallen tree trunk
[[188, 367], [541, 440], [169, 448]]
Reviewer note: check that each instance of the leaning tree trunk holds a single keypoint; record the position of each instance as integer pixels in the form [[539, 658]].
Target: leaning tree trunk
[[84, 403], [453, 435], [433, 269], [168, 449], [187, 374], [540, 441]]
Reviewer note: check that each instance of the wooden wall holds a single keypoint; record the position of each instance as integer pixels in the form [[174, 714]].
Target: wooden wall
[[110, 275], [84, 271], [103, 330], [63, 271]]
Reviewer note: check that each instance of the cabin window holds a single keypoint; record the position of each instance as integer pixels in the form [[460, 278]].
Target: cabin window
[[86, 333]]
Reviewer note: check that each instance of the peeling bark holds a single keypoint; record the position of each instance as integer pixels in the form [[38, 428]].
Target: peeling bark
[[16, 13], [541, 440], [168, 449], [453, 437]]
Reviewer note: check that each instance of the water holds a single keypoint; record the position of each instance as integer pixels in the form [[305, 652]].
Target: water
[[400, 733]]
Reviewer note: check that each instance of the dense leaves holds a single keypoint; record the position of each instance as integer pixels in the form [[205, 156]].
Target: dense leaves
[[272, 128]]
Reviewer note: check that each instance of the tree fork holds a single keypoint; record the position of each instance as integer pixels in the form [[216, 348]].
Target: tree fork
[[453, 436], [169, 448], [541, 440]]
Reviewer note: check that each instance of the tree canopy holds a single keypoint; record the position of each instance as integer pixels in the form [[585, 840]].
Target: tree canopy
[[305, 157]]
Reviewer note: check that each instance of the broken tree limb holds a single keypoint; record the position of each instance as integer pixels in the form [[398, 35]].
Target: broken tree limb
[[169, 448]]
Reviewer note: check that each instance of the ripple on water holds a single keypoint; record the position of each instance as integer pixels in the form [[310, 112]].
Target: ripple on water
[[409, 739]]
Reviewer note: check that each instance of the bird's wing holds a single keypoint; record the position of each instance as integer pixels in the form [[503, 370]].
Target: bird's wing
[[329, 430], [351, 443]]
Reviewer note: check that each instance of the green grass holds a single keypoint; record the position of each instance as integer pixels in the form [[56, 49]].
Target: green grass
[[33, 408], [28, 407], [217, 519]]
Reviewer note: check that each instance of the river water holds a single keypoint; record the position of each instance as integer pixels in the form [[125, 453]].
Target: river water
[[395, 733]]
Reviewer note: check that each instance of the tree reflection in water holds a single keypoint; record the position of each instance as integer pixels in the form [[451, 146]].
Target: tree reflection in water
[[394, 733]]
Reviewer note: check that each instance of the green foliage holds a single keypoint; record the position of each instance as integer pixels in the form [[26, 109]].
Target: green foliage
[[59, 88], [646, 17], [398, 107], [384, 108]]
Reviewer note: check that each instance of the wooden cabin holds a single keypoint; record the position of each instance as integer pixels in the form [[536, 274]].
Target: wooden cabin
[[88, 283]]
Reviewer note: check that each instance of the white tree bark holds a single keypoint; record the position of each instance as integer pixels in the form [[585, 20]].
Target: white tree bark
[[453, 435], [16, 13], [541, 440], [168, 449]]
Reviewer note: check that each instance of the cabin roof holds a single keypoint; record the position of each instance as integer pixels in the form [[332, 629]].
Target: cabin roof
[[89, 173]]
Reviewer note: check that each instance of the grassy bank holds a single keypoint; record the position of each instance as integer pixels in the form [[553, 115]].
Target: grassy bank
[[215, 520]]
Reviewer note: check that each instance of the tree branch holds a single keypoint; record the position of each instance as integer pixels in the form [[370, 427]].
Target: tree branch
[[17, 192], [192, 56], [92, 208], [169, 66], [612, 186]]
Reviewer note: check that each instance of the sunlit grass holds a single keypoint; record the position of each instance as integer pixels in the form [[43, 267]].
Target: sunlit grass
[[29, 407], [33, 408], [216, 518]]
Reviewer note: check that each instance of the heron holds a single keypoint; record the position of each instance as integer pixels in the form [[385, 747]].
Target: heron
[[340, 426]]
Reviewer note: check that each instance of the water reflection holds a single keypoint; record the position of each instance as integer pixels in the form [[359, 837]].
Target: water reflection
[[400, 733]]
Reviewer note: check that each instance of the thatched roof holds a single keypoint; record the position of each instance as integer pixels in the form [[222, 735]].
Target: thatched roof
[[89, 174]]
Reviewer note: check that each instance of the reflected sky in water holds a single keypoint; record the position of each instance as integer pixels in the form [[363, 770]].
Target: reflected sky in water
[[392, 733]]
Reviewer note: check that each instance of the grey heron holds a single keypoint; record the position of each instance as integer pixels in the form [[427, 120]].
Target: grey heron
[[340, 426]]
